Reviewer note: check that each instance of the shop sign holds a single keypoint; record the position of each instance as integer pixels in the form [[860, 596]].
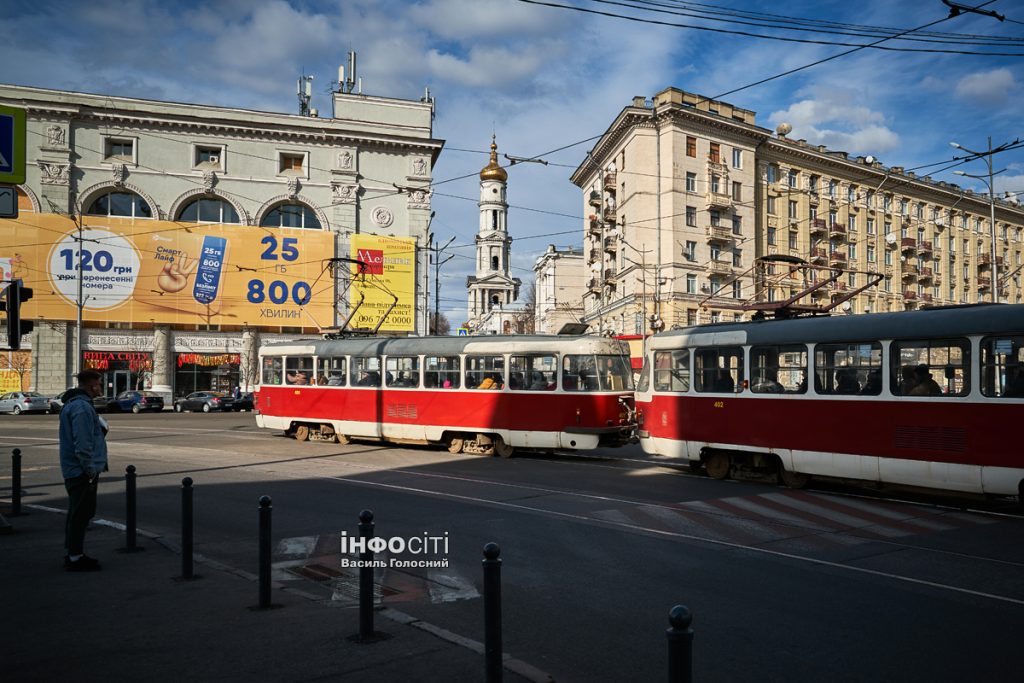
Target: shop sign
[[208, 360], [206, 343], [116, 360]]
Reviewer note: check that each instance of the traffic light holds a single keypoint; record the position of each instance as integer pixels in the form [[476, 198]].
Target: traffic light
[[15, 295]]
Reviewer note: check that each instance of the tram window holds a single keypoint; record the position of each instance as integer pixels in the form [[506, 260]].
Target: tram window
[[532, 373], [365, 371], [778, 369], [672, 370], [1002, 367], [402, 371], [485, 372], [332, 371], [298, 369], [644, 382], [272, 369], [718, 369], [848, 369], [614, 373], [930, 367], [441, 372]]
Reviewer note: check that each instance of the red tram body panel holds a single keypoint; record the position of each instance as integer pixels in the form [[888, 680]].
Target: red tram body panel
[[542, 392], [956, 432]]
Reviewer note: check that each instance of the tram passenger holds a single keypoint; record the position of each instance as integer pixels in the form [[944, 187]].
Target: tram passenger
[[1014, 381], [297, 377], [336, 379], [538, 382], [516, 380], [846, 381], [490, 381], [724, 382], [770, 384], [925, 385], [873, 385], [907, 381], [369, 378]]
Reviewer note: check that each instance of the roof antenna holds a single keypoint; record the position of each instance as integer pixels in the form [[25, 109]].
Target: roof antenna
[[304, 89]]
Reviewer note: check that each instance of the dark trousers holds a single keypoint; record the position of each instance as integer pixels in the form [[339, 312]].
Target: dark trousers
[[81, 508]]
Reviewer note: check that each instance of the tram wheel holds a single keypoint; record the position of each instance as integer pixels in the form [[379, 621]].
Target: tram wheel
[[501, 448], [302, 433], [455, 445], [343, 440], [717, 466], [793, 480]]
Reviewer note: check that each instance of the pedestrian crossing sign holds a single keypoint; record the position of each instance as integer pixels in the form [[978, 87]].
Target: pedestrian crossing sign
[[463, 331]]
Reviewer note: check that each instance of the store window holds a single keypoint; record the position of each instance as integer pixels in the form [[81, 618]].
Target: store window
[[210, 372]]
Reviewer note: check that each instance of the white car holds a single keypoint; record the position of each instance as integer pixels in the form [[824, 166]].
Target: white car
[[18, 402]]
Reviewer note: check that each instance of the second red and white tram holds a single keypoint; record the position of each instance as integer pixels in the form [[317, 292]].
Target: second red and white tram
[[485, 395], [930, 398]]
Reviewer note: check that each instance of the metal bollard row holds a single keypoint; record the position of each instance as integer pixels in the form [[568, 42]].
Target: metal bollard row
[[680, 645], [16, 482], [492, 613]]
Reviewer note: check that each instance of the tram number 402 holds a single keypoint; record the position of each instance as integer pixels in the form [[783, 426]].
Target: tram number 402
[[278, 292], [719, 404]]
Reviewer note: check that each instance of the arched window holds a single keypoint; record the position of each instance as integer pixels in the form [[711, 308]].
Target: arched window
[[291, 216], [494, 263], [120, 203], [206, 210]]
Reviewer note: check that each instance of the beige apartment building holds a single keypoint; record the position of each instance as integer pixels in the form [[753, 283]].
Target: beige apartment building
[[682, 194]]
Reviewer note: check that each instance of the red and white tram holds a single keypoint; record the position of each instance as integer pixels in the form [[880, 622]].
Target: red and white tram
[[927, 398], [485, 395]]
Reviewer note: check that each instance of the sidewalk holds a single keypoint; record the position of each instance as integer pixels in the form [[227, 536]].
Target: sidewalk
[[134, 621]]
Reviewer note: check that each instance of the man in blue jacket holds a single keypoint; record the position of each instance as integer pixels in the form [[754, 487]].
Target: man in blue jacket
[[83, 455]]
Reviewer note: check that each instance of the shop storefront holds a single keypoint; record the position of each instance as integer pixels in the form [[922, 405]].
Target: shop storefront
[[206, 372], [121, 370]]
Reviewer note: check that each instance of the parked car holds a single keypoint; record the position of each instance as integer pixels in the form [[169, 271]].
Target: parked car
[[18, 402], [244, 402], [136, 401], [56, 403], [205, 401], [101, 403]]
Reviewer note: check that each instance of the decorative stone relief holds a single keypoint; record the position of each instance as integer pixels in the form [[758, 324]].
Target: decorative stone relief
[[419, 166], [293, 187], [54, 173], [56, 136], [344, 193], [118, 173], [209, 180], [419, 199], [382, 217], [345, 160]]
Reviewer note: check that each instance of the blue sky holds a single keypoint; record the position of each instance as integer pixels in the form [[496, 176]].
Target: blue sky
[[540, 78]]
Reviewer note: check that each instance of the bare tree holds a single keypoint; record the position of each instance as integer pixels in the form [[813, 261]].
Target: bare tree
[[440, 324], [19, 362], [526, 319]]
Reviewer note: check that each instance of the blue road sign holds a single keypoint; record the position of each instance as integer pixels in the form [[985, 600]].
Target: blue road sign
[[12, 145]]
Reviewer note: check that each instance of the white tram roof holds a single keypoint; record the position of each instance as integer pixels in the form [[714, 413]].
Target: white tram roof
[[930, 323], [447, 346]]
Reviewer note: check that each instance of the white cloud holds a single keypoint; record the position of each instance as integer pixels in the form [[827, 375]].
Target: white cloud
[[833, 119], [990, 87], [466, 20]]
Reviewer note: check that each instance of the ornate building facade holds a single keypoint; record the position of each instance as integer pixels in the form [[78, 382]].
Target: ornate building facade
[[682, 194], [96, 155]]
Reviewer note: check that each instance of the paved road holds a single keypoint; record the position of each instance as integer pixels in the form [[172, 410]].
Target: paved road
[[784, 585]]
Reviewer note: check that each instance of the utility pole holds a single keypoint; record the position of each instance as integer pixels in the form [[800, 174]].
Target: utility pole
[[437, 279]]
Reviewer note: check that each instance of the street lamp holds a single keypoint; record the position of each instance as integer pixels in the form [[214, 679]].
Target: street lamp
[[989, 182]]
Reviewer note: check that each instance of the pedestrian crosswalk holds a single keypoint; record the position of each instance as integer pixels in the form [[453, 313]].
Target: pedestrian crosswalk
[[797, 519]]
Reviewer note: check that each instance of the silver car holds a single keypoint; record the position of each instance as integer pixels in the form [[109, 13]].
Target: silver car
[[18, 402]]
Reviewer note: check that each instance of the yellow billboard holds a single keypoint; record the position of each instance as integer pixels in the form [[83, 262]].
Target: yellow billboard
[[386, 271], [167, 272]]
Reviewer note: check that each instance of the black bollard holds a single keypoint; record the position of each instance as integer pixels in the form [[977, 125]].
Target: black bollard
[[129, 515], [15, 482], [492, 613], [186, 528], [366, 527], [264, 570], [680, 645]]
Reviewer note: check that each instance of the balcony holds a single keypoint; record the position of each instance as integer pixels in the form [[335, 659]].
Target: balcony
[[720, 267], [984, 283], [937, 279], [908, 244], [837, 258], [609, 273], [910, 295], [719, 200], [595, 255], [839, 286], [609, 181], [594, 224], [718, 233], [837, 231], [925, 249], [910, 271], [594, 285], [819, 257], [926, 298], [611, 243], [818, 226], [926, 274], [609, 213]]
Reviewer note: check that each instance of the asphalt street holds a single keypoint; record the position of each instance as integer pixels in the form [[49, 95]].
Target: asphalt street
[[783, 584]]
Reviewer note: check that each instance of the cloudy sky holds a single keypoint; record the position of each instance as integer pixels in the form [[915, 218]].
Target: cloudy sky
[[543, 78]]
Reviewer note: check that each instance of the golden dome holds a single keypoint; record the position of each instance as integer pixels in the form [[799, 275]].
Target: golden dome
[[493, 171]]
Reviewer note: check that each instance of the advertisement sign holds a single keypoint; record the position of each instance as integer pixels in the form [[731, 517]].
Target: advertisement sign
[[166, 272], [389, 268]]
